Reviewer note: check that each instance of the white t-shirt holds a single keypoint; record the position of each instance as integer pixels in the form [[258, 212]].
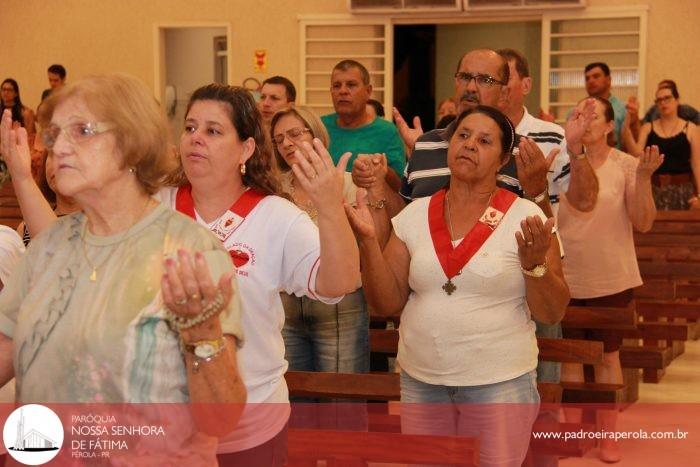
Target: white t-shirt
[[481, 334], [275, 248], [11, 248]]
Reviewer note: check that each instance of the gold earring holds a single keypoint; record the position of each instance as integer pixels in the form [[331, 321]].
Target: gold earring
[[132, 169], [242, 169]]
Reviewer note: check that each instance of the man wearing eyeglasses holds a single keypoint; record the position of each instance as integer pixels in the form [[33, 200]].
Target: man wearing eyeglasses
[[480, 79]]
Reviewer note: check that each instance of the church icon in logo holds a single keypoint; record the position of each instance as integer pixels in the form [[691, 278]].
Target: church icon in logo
[[33, 434]]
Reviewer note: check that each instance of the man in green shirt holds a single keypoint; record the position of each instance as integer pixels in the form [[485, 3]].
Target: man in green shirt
[[351, 127]]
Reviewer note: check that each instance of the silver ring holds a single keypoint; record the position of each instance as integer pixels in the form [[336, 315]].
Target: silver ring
[[181, 302]]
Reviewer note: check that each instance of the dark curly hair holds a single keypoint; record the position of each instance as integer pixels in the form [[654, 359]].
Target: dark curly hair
[[246, 119]]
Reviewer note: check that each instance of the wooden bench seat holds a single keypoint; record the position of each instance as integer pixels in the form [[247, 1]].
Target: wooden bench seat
[[653, 360], [349, 448], [645, 357], [605, 318], [665, 239], [386, 341], [658, 331]]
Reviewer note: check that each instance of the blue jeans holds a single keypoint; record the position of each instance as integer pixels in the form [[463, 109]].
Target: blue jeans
[[500, 414], [549, 372], [331, 338]]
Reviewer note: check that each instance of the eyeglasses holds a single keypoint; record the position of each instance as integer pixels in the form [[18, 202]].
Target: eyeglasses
[[77, 133], [663, 100], [483, 81], [293, 133]]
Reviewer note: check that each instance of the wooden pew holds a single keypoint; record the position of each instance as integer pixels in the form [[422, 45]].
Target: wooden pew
[[356, 448], [555, 350], [386, 386], [10, 214], [604, 318]]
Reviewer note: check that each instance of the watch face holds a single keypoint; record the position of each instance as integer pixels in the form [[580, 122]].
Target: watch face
[[204, 350]]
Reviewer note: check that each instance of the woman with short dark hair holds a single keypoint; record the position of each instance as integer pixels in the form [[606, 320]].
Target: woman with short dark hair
[[467, 268]]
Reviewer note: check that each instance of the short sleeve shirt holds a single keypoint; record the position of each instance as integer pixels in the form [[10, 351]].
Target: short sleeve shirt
[[379, 136], [481, 334]]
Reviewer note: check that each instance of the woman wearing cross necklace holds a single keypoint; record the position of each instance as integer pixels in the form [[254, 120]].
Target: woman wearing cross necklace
[[107, 304], [466, 268]]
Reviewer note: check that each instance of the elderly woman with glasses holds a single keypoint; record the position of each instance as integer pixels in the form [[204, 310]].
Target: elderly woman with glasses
[[108, 305], [676, 183], [317, 336], [224, 181], [467, 269]]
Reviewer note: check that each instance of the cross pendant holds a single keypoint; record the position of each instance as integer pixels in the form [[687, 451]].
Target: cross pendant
[[449, 287]]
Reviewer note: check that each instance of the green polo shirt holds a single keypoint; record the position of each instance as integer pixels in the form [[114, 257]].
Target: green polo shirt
[[379, 136]]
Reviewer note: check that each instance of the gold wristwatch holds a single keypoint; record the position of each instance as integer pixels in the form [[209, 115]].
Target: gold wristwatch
[[538, 271], [205, 348]]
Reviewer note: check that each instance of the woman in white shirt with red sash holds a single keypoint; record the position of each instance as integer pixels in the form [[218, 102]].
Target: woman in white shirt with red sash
[[274, 245], [464, 268]]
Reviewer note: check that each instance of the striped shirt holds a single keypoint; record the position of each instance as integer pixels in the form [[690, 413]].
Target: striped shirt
[[427, 170]]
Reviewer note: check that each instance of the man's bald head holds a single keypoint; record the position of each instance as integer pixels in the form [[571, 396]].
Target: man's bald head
[[481, 79], [489, 54]]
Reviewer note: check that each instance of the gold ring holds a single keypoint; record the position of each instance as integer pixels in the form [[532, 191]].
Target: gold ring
[[529, 243], [181, 302], [195, 296]]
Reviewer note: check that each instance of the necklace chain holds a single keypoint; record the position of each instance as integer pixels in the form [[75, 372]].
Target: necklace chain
[[666, 134], [449, 215], [307, 207], [93, 267]]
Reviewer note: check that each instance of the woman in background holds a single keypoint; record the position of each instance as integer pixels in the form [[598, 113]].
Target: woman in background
[[22, 116], [317, 336], [600, 265], [677, 180]]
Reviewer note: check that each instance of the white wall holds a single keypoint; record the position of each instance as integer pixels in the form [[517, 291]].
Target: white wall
[[189, 63]]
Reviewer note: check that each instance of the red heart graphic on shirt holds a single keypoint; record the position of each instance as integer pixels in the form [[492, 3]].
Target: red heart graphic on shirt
[[239, 257]]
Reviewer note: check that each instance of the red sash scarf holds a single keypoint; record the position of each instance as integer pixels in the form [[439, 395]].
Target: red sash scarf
[[230, 220], [453, 259]]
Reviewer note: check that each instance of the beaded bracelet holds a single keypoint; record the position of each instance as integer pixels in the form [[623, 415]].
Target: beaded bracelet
[[210, 309]]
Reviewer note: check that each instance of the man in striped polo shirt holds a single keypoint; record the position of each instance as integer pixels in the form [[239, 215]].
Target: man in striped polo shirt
[[501, 80], [484, 78]]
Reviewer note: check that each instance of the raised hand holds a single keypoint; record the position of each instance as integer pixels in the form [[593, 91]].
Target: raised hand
[[187, 287], [533, 166], [649, 162], [408, 135], [577, 124], [15, 149], [316, 173], [360, 217], [534, 241], [632, 108]]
